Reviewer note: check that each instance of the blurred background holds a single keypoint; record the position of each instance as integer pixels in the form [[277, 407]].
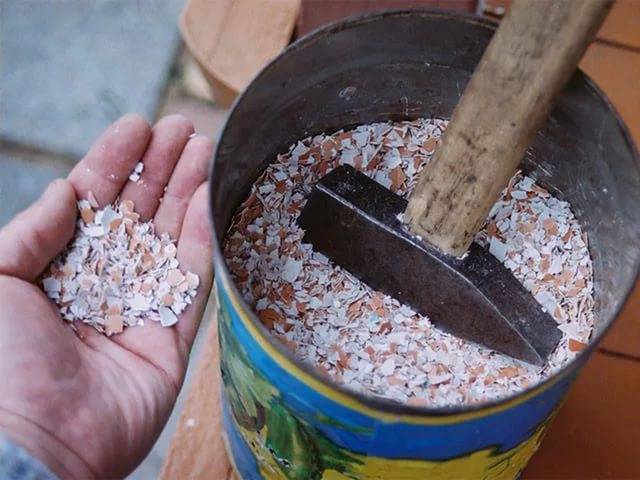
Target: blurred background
[[69, 68]]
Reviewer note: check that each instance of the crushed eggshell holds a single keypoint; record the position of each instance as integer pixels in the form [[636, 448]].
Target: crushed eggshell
[[117, 272], [167, 317], [368, 341], [137, 171]]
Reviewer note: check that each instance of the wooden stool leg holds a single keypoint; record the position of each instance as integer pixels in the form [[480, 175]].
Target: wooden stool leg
[[197, 450]]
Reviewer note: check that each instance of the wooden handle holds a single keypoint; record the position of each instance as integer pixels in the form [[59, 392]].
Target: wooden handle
[[529, 60]]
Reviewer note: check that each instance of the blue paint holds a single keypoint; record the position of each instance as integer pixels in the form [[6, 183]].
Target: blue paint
[[245, 462]]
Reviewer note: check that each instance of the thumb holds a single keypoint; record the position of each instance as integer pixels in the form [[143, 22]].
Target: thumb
[[36, 235]]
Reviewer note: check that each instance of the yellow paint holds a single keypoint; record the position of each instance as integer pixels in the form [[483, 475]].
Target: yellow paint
[[486, 464], [347, 400]]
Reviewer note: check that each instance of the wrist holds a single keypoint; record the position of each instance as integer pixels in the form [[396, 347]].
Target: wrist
[[43, 446]]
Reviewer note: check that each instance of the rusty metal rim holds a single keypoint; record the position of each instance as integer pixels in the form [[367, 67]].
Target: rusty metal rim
[[377, 403]]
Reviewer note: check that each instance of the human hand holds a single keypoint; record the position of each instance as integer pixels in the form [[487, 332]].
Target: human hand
[[85, 404]]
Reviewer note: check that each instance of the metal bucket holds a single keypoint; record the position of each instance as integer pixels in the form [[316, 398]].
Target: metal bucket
[[283, 420]]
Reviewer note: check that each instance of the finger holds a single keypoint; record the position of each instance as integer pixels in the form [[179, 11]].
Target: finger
[[108, 164], [189, 173], [32, 239], [168, 138], [195, 255]]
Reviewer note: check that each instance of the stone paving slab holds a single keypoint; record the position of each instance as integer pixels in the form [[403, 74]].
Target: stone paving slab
[[22, 182], [70, 68]]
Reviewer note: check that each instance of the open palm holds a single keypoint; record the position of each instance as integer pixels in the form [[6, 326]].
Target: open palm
[[84, 404]]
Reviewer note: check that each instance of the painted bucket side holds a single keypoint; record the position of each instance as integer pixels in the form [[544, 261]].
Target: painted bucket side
[[285, 421]]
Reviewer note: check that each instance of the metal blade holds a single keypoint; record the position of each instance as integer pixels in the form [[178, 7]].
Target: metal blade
[[354, 221]]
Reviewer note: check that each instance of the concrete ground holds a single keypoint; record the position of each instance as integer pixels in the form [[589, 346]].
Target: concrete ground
[[71, 68]]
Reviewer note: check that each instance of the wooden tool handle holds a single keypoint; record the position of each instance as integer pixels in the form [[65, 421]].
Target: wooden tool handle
[[529, 60]]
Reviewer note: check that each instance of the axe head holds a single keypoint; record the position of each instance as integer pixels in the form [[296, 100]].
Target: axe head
[[355, 222]]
